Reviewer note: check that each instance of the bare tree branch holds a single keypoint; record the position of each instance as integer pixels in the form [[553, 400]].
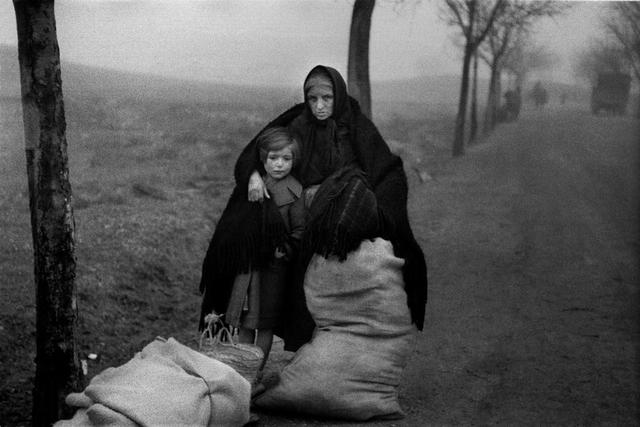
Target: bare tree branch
[[623, 26]]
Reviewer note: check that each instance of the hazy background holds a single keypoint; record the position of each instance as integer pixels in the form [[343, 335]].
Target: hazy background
[[273, 42]]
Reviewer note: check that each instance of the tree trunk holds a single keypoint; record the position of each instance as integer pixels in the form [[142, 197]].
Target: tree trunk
[[499, 96], [474, 101], [358, 63], [458, 140], [520, 80], [58, 369], [493, 102]]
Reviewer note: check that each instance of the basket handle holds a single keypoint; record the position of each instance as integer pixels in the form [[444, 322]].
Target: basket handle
[[223, 336]]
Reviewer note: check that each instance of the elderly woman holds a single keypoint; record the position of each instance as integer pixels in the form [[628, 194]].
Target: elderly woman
[[359, 191]]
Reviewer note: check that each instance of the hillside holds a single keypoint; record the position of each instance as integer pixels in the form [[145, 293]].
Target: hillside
[[99, 83], [94, 82], [433, 90]]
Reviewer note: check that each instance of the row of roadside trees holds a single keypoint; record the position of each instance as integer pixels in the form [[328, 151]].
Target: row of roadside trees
[[498, 32]]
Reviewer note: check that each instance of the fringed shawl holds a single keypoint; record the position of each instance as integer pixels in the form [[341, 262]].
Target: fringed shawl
[[245, 237], [344, 212]]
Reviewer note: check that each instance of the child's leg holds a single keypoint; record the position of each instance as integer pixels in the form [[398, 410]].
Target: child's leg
[[246, 335], [273, 280], [264, 340]]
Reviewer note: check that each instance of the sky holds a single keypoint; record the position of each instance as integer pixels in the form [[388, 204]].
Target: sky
[[273, 41]]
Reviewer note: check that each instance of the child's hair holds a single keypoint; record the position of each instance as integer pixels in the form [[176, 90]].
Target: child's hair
[[274, 139]]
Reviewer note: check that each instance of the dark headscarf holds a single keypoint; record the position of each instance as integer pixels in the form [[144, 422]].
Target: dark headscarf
[[324, 144], [340, 102]]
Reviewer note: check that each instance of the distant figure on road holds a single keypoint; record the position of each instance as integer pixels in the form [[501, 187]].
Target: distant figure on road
[[512, 101], [539, 95], [563, 97]]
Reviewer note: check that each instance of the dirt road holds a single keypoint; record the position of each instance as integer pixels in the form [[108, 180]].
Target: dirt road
[[532, 244]]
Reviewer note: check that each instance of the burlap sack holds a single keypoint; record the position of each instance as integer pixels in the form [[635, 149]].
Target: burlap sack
[[165, 384], [352, 367]]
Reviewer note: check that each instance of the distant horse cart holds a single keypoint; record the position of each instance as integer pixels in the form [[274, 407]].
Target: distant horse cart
[[611, 93]]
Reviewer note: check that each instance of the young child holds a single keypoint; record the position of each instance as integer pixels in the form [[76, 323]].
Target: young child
[[257, 297]]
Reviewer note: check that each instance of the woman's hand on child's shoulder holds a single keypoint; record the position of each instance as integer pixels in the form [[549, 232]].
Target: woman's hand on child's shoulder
[[280, 253], [257, 189]]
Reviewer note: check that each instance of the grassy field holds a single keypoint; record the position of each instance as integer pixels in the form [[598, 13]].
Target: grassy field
[[150, 178]]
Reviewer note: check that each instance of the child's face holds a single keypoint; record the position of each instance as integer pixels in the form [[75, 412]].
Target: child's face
[[278, 163]]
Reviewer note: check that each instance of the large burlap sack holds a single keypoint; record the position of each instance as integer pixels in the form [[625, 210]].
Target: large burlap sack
[[166, 384], [352, 367]]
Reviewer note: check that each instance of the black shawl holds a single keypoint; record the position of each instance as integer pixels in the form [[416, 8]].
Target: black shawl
[[385, 176]]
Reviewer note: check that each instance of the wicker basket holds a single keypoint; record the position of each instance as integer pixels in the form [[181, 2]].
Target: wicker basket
[[219, 343]]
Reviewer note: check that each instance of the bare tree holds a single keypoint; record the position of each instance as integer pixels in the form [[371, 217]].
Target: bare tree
[[58, 369], [496, 46], [601, 56], [464, 14], [624, 25], [512, 24], [358, 63], [473, 126], [525, 57]]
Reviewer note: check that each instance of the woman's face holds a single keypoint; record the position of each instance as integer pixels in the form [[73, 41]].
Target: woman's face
[[320, 100], [278, 163]]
